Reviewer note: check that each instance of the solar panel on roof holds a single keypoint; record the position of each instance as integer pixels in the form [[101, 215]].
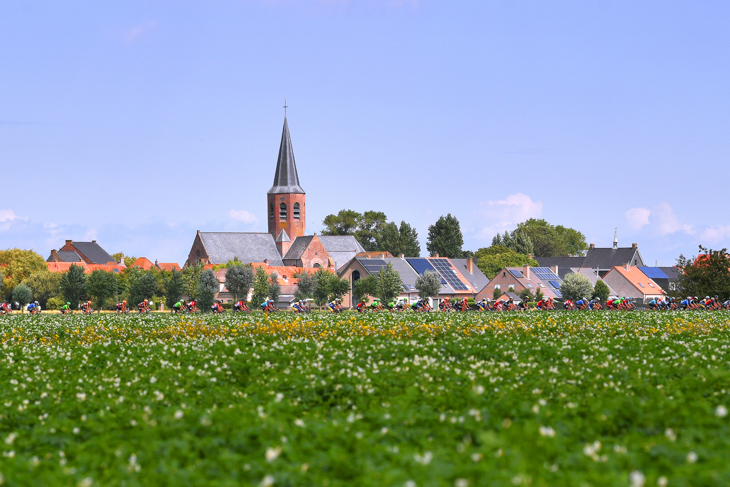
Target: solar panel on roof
[[516, 273], [423, 265], [558, 293], [653, 272], [447, 271], [555, 284], [544, 273]]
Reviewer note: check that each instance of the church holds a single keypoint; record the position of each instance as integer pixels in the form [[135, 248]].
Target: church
[[286, 242]]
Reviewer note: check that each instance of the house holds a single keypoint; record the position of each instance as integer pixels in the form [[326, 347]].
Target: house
[[88, 252], [602, 260], [146, 264], [665, 277], [516, 279], [593, 277], [629, 281], [360, 267], [329, 252]]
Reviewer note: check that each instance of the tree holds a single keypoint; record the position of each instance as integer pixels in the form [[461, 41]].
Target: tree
[[539, 295], [274, 288], [306, 285], [141, 285], [367, 286], [18, 264], [344, 223], [22, 295], [45, 285], [329, 287], [191, 277], [517, 241], [496, 293], [428, 284], [550, 241], [601, 291], [260, 286], [390, 284], [445, 238], [174, 287], [526, 295], [370, 225], [207, 288], [239, 279], [399, 240], [493, 259], [101, 285], [706, 275], [73, 285], [576, 286]]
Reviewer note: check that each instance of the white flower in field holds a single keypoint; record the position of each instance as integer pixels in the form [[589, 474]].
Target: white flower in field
[[76, 431], [11, 438], [691, 457], [86, 482], [153, 379], [133, 465], [272, 453], [669, 433], [267, 481], [721, 411], [476, 457], [461, 483], [478, 389], [637, 478], [662, 481], [299, 422], [383, 430], [81, 396], [179, 414], [424, 459], [547, 431], [409, 483], [279, 397]]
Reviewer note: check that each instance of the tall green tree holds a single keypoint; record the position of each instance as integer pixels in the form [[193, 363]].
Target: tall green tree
[[706, 275], [141, 285], [343, 223], [329, 287], [517, 240], [445, 238], [274, 287], [73, 285], [207, 288], [550, 241], [22, 295], [491, 260], [306, 285], [374, 232], [174, 288], [370, 226], [428, 284], [101, 286], [399, 240], [45, 285], [191, 277], [576, 286], [260, 286], [239, 280], [366, 286], [601, 291], [18, 264], [390, 284]]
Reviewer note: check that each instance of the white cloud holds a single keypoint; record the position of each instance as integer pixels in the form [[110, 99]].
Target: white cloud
[[138, 31], [501, 215], [638, 217], [660, 219], [9, 216], [243, 216], [713, 235]]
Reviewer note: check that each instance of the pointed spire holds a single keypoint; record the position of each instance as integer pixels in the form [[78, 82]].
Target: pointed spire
[[286, 179], [615, 238]]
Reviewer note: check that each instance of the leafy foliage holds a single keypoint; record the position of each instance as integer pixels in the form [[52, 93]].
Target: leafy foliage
[[367, 286], [16, 265], [260, 286], [274, 287], [23, 295], [493, 259], [601, 290], [45, 285], [305, 287], [399, 240], [428, 284], [207, 289], [549, 240], [526, 295], [389, 283], [239, 280], [576, 286], [517, 240], [706, 275], [191, 277], [329, 287], [174, 287], [445, 238], [101, 286], [374, 232], [73, 285], [141, 285]]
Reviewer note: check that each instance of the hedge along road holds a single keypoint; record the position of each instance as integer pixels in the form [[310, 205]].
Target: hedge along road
[[599, 398]]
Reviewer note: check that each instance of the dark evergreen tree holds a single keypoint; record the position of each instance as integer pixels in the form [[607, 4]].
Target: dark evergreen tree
[[445, 238], [101, 286], [73, 285], [389, 284], [141, 285], [174, 288], [274, 287], [207, 289], [305, 286], [239, 280]]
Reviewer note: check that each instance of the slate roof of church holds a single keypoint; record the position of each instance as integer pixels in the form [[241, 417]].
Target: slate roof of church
[[341, 248], [298, 247], [248, 247], [286, 179], [608, 258]]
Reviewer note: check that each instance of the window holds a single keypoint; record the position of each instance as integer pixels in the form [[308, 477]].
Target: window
[[271, 211], [541, 284], [296, 211], [498, 287], [317, 265], [511, 287], [651, 285], [197, 253], [282, 211], [530, 285], [640, 284], [355, 275]]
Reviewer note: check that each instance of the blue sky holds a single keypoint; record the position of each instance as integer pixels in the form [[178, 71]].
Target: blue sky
[[138, 123]]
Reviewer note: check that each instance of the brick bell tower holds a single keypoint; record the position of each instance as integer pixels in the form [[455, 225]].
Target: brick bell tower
[[286, 200]]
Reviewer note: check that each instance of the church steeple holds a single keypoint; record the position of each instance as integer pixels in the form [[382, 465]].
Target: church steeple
[[286, 200], [286, 179]]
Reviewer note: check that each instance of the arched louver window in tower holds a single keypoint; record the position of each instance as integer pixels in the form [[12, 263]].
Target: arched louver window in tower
[[271, 211], [296, 211], [282, 211]]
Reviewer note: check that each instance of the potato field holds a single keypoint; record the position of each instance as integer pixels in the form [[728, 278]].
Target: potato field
[[384, 399]]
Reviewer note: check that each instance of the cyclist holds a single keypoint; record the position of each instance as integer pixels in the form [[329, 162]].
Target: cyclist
[[66, 309], [143, 307]]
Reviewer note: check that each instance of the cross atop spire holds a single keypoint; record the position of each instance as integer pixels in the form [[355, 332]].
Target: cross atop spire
[[285, 107]]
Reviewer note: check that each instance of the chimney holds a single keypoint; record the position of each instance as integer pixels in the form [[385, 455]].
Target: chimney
[[436, 256], [54, 256], [93, 241], [526, 271], [266, 261], [69, 242], [555, 270], [633, 246], [401, 256], [592, 247], [627, 266], [470, 265]]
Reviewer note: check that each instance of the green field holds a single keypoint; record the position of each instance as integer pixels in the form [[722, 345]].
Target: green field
[[592, 398]]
